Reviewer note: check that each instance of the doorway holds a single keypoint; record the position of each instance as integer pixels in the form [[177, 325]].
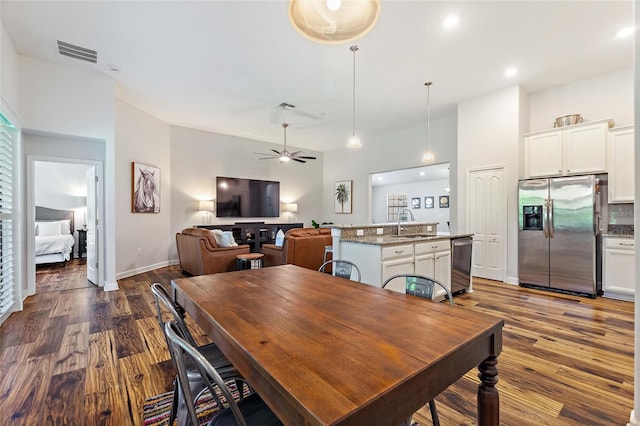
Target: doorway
[[62, 185]]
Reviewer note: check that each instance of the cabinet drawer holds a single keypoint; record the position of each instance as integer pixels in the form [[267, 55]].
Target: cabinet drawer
[[433, 246], [397, 251], [620, 243]]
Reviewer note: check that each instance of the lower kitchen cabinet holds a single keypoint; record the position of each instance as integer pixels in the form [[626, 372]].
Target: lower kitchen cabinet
[[619, 268]]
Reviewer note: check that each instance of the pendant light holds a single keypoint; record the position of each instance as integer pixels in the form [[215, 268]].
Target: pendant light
[[428, 156], [354, 141]]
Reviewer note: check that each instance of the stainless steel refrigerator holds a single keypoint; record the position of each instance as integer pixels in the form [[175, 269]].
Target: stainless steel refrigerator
[[559, 244]]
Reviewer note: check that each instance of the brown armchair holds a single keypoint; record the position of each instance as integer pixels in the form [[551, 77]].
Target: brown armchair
[[302, 246], [200, 255]]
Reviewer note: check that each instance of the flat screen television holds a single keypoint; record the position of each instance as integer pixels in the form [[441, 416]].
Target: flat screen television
[[238, 197]]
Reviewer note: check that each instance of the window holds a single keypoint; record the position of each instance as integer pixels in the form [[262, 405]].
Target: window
[[7, 285]]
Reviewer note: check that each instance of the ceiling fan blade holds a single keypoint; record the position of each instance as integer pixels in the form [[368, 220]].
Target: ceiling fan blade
[[277, 152], [306, 157], [268, 158], [269, 154], [298, 160], [293, 154]]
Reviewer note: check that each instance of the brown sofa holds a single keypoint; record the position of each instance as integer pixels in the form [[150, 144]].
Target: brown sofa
[[302, 246], [200, 255]]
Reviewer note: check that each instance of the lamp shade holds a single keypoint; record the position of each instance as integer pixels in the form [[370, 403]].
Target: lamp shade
[[333, 22], [290, 207], [205, 205]]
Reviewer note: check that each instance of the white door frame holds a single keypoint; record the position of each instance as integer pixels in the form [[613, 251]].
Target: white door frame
[[505, 206], [30, 216]]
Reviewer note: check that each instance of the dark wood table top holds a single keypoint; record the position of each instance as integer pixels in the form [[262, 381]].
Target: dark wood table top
[[325, 350]]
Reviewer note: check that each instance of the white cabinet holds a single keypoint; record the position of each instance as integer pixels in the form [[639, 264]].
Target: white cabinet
[[621, 165], [433, 259], [397, 260], [619, 268], [379, 262], [572, 150]]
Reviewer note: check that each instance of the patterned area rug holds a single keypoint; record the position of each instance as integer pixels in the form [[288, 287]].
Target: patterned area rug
[[156, 410]]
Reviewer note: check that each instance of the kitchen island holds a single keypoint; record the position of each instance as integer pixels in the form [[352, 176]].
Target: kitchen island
[[380, 252]]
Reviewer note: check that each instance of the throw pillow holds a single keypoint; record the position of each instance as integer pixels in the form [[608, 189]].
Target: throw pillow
[[228, 240], [49, 228], [280, 238]]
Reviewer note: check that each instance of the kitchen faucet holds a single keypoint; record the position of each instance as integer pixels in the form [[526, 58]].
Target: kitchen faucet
[[402, 210]]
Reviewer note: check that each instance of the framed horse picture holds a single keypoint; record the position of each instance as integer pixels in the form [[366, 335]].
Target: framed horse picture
[[145, 188]]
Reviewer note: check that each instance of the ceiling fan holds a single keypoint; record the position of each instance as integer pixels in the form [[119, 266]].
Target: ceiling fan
[[284, 155]]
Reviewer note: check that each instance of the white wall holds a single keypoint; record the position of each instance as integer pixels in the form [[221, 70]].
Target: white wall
[[8, 70], [197, 157], [61, 100], [143, 239], [604, 96], [488, 136], [385, 152], [432, 188]]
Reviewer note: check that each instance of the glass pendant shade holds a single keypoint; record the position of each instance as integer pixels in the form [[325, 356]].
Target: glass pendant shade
[[354, 142], [333, 22], [428, 156]]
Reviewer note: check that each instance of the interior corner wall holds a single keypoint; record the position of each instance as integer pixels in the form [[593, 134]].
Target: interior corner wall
[[489, 136], [60, 100], [197, 157], [384, 152], [142, 238], [8, 70]]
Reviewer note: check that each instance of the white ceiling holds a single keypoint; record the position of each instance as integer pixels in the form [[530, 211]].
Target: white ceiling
[[224, 66]]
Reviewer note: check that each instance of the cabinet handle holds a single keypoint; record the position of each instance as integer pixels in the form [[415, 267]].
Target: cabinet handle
[[627, 244], [399, 251]]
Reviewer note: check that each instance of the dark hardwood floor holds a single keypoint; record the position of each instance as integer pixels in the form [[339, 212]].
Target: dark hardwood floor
[[79, 356]]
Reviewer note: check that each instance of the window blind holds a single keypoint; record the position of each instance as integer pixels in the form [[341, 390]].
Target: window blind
[[7, 285]]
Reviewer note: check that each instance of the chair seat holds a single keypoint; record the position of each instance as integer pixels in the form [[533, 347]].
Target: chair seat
[[254, 410]]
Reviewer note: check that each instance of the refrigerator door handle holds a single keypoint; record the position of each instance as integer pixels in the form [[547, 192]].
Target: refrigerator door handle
[[545, 226], [550, 218]]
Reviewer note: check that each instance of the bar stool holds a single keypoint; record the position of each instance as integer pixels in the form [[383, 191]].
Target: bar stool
[[327, 250], [249, 261]]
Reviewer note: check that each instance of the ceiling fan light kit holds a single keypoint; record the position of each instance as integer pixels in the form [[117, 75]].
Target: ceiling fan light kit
[[285, 156], [333, 21]]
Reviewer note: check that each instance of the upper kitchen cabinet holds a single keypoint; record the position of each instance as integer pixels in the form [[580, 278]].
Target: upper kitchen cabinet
[[621, 165], [572, 150]]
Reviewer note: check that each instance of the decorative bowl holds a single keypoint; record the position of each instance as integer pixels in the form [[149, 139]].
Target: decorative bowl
[[567, 120]]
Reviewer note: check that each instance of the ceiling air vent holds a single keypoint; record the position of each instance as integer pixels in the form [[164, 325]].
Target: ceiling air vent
[[77, 52]]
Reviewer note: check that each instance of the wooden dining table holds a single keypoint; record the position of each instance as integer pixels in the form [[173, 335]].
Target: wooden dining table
[[323, 350]]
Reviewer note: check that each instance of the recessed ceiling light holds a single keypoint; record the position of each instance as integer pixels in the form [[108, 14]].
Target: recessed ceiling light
[[421, 173], [451, 21], [510, 72], [625, 32]]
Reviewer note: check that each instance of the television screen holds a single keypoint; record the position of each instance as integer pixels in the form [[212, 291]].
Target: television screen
[[237, 197]]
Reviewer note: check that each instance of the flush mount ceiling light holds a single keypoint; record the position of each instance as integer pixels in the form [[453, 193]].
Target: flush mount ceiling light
[[428, 156], [333, 21], [354, 141]]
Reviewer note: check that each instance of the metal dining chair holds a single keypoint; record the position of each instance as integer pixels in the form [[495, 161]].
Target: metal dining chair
[[425, 287], [210, 351], [246, 408], [341, 268]]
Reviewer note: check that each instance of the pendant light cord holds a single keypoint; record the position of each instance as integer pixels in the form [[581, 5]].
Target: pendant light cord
[[428, 84], [354, 49]]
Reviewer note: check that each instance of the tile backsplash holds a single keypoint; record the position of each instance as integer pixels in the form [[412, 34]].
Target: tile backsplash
[[620, 219]]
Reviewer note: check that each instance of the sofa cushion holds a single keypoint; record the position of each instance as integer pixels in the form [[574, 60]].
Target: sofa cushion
[[224, 238], [280, 238]]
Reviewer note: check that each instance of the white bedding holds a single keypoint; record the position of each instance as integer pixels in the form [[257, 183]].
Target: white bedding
[[49, 244]]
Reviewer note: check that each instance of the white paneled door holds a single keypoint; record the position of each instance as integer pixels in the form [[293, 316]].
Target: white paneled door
[[92, 223], [487, 221]]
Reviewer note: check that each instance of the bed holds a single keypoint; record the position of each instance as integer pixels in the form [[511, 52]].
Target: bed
[[54, 235]]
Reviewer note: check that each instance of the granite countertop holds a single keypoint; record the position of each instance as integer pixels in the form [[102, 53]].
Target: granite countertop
[[617, 235], [384, 240]]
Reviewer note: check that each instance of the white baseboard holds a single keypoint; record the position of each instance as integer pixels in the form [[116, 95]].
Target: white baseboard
[[512, 280], [111, 286], [136, 271]]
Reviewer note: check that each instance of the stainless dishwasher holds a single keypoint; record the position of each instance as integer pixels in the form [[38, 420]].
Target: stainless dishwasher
[[461, 249]]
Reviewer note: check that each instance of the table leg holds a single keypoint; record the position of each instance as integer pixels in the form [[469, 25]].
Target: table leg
[[488, 399]]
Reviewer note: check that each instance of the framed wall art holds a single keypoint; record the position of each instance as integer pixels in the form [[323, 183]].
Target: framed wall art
[[145, 192], [342, 197], [428, 202], [415, 203], [443, 201]]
